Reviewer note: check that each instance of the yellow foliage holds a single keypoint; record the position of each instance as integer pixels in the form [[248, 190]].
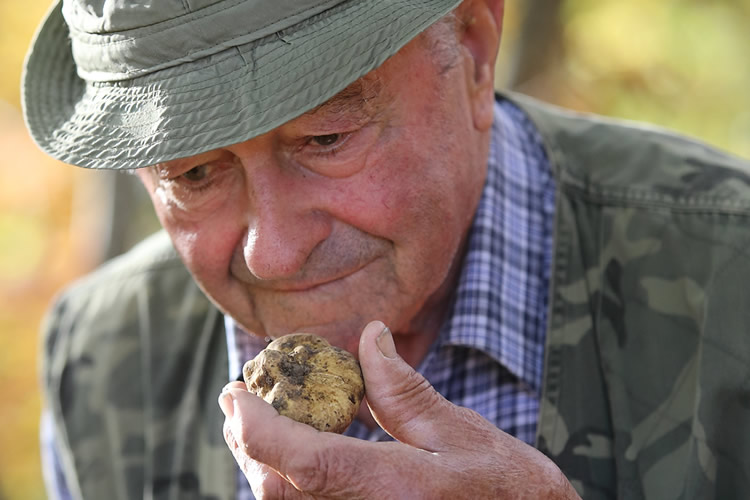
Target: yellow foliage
[[679, 63], [613, 38], [18, 21]]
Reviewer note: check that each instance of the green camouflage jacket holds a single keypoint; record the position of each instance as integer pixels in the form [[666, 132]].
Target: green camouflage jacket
[[647, 369]]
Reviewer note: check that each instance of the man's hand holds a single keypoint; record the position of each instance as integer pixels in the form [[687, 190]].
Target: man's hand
[[443, 450]]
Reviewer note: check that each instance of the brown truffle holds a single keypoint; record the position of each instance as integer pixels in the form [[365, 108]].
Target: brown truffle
[[309, 380]]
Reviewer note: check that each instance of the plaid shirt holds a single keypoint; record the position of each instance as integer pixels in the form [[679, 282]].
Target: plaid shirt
[[489, 354]]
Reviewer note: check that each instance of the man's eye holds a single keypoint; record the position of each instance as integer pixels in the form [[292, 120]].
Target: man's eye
[[325, 140], [196, 174]]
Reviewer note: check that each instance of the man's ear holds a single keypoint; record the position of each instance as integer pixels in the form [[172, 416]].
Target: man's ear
[[480, 30]]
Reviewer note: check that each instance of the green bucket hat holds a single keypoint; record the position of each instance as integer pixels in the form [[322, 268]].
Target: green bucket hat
[[128, 84]]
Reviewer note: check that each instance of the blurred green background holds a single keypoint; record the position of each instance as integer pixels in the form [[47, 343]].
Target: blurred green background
[[683, 64]]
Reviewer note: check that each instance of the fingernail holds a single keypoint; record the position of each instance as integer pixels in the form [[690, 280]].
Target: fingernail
[[226, 403], [385, 344]]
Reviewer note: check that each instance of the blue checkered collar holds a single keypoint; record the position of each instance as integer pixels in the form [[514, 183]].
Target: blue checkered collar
[[505, 271]]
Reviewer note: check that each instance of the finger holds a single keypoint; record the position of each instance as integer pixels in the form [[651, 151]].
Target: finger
[[263, 480], [314, 462], [267, 483], [234, 385], [402, 401]]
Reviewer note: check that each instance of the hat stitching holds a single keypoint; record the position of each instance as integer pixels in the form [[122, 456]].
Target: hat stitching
[[324, 30], [116, 92], [218, 91], [114, 38], [124, 93], [150, 137], [133, 150], [84, 41], [220, 44], [130, 151], [122, 89], [173, 100], [126, 86], [96, 39]]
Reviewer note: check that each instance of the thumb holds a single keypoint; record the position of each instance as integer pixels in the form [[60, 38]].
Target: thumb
[[401, 400]]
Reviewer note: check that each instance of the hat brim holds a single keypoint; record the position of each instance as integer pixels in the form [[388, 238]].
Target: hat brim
[[213, 102]]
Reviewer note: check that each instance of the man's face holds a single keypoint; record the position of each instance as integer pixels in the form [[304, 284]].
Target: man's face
[[352, 212]]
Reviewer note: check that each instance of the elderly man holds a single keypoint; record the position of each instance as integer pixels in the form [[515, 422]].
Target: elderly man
[[561, 293]]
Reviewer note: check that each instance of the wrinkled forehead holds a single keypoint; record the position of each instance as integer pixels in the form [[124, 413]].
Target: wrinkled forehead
[[366, 91]]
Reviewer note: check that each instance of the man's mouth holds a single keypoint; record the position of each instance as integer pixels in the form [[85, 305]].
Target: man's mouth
[[304, 283], [309, 285]]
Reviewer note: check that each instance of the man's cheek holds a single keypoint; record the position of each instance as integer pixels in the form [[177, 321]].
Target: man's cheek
[[205, 253], [390, 200]]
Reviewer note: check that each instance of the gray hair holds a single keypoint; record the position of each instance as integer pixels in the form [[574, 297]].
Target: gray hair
[[443, 42]]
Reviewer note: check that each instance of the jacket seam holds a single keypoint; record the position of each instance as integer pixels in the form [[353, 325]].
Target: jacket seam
[[551, 378], [632, 198]]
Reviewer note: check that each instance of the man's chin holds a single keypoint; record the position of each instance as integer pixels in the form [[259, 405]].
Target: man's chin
[[342, 333]]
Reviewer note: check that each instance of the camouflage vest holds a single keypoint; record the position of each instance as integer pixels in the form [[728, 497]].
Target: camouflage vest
[[647, 370]]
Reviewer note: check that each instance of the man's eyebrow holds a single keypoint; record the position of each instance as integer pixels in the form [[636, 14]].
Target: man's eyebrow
[[356, 98]]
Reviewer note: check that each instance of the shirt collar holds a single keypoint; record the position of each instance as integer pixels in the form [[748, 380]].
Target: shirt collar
[[487, 313]]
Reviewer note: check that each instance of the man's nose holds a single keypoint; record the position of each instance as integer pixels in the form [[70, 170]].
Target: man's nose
[[286, 222]]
